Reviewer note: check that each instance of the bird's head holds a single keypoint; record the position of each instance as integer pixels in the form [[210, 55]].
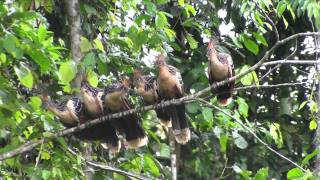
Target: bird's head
[[137, 77], [160, 60], [211, 46], [45, 99]]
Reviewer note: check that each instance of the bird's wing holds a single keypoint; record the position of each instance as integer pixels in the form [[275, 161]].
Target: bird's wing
[[175, 72], [149, 80]]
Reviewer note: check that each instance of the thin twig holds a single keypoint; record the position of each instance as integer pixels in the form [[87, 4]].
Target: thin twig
[[304, 62], [108, 168], [251, 132], [270, 86], [28, 146], [38, 157]]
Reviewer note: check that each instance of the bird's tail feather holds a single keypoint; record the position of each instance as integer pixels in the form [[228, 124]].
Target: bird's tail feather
[[224, 99], [163, 117], [179, 123], [131, 127]]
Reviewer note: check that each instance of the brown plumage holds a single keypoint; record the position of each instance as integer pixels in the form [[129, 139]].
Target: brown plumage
[[220, 67], [92, 99], [170, 86], [69, 112], [115, 99], [146, 87]]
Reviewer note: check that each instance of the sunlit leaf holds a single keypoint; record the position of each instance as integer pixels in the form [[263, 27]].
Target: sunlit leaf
[[192, 42], [295, 173], [251, 46], [92, 78], [85, 45], [223, 140], [67, 71], [260, 38], [313, 125], [161, 20], [281, 8], [306, 159], [262, 174], [98, 44], [24, 75]]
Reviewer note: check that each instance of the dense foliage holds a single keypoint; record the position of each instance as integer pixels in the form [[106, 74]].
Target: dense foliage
[[118, 36]]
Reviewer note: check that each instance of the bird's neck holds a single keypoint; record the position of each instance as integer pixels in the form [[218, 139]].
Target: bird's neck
[[214, 60]]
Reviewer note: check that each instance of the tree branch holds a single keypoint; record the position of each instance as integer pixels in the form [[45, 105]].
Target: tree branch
[[251, 132], [28, 146]]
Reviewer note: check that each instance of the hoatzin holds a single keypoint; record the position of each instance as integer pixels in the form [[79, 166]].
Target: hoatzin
[[92, 99], [220, 67], [115, 99], [170, 86], [146, 87], [70, 113]]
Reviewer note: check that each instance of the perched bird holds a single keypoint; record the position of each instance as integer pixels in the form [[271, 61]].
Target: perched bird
[[170, 86], [220, 67], [69, 112], [146, 87], [115, 99], [93, 105]]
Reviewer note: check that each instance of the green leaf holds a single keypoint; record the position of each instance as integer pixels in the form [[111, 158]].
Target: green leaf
[[41, 59], [35, 102], [239, 140], [276, 134], [191, 9], [89, 60], [46, 174], [98, 44], [262, 174], [161, 20], [42, 33], [285, 22], [306, 159], [249, 78], [150, 165], [92, 78], [24, 75], [243, 107], [303, 104], [260, 38], [295, 173], [11, 44], [181, 2], [223, 140], [170, 34], [85, 45], [192, 42], [193, 107], [251, 46], [313, 125], [207, 114], [3, 58], [164, 150], [67, 71], [281, 8], [236, 42]]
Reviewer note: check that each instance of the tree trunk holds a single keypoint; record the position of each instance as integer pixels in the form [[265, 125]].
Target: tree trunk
[[316, 140], [174, 156], [74, 22]]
